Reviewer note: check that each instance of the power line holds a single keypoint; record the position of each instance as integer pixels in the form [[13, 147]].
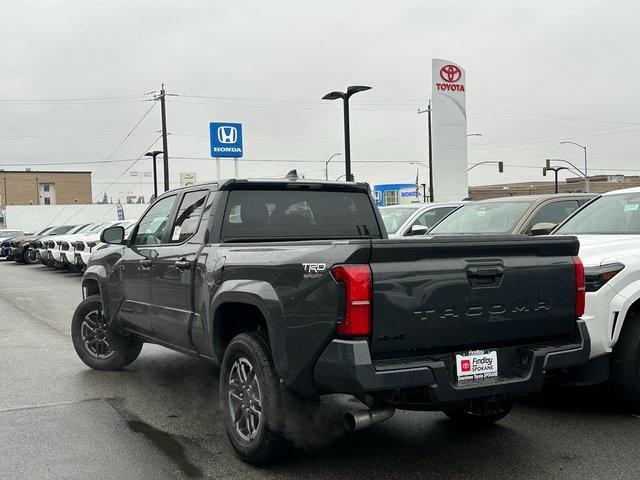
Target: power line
[[79, 135], [77, 100], [104, 190]]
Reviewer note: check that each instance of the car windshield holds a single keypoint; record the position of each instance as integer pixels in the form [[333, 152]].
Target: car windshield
[[78, 229], [61, 230], [608, 215], [394, 217], [44, 230], [96, 227], [483, 217]]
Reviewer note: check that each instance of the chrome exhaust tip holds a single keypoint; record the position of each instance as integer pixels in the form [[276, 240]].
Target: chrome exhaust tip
[[359, 419]]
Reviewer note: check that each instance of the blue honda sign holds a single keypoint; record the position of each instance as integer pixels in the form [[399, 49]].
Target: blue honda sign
[[226, 139]]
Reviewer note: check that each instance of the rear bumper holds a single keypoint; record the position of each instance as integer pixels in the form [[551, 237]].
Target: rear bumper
[[345, 366]]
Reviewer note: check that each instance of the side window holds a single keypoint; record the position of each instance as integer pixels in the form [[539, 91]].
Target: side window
[[554, 212], [188, 217], [431, 217], [153, 224]]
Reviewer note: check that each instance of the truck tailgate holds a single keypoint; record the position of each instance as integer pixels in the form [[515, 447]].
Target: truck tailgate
[[443, 294]]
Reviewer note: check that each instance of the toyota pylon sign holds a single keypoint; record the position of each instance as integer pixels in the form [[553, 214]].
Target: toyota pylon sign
[[449, 131]]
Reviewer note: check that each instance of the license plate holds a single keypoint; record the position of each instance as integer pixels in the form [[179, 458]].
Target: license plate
[[477, 364]]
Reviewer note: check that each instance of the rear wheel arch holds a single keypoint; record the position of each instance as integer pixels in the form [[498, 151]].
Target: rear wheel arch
[[90, 286], [233, 318]]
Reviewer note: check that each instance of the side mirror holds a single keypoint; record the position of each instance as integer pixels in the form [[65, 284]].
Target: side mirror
[[112, 235], [543, 228], [417, 230]]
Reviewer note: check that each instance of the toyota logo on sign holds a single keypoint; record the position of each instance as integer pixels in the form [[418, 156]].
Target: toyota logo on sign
[[450, 73]]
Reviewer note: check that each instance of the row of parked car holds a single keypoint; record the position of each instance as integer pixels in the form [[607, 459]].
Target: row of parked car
[[529, 215], [63, 246]]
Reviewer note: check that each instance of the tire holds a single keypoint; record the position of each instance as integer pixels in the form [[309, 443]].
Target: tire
[[625, 363], [482, 413], [28, 258], [254, 437], [106, 349]]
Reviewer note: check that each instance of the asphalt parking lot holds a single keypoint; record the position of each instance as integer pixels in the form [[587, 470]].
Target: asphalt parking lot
[[159, 419]]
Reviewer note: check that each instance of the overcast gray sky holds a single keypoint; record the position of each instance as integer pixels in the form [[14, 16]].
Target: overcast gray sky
[[537, 73]]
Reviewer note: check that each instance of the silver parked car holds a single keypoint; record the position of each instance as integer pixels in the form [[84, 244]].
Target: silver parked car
[[414, 218], [527, 214]]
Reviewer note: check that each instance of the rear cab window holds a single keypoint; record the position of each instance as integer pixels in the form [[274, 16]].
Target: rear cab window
[[263, 215]]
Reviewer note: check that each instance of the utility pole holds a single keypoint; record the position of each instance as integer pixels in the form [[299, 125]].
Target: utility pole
[[165, 147], [428, 112]]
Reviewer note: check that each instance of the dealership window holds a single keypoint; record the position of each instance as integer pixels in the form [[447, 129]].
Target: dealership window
[[391, 197]]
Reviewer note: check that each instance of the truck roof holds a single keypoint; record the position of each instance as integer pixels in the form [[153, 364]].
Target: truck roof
[[276, 183]]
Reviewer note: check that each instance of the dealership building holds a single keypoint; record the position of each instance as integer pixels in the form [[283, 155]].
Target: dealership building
[[32, 187], [597, 184], [395, 193]]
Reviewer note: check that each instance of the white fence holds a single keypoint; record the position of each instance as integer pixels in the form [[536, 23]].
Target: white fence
[[29, 218]]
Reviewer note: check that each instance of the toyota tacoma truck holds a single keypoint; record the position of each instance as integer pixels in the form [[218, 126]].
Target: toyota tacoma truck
[[293, 287]]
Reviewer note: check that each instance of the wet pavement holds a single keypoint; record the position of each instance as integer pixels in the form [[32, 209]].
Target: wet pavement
[[159, 418]]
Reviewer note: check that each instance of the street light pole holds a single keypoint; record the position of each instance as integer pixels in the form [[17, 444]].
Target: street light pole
[[573, 168], [586, 172], [326, 165], [555, 170], [500, 165], [154, 154], [352, 90]]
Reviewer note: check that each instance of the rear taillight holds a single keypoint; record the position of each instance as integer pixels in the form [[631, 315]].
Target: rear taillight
[[580, 287], [356, 281]]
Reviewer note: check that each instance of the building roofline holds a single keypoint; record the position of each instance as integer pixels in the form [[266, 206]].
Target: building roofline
[[44, 171]]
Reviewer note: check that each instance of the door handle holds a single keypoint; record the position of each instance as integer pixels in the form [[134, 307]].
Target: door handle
[[183, 264]]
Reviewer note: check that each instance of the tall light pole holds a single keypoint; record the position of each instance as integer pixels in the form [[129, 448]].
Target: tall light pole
[[488, 162], [586, 172], [154, 154], [573, 168], [555, 170], [352, 90], [326, 165]]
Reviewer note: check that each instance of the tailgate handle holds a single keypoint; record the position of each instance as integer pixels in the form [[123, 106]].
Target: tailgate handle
[[485, 276], [485, 271]]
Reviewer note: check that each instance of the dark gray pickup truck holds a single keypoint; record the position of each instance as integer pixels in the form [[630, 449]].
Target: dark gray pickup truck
[[295, 290]]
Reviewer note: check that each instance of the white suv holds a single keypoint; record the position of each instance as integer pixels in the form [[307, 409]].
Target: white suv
[[609, 232]]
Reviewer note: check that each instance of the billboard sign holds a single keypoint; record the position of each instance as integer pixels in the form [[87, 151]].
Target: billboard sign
[[449, 131], [226, 139]]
